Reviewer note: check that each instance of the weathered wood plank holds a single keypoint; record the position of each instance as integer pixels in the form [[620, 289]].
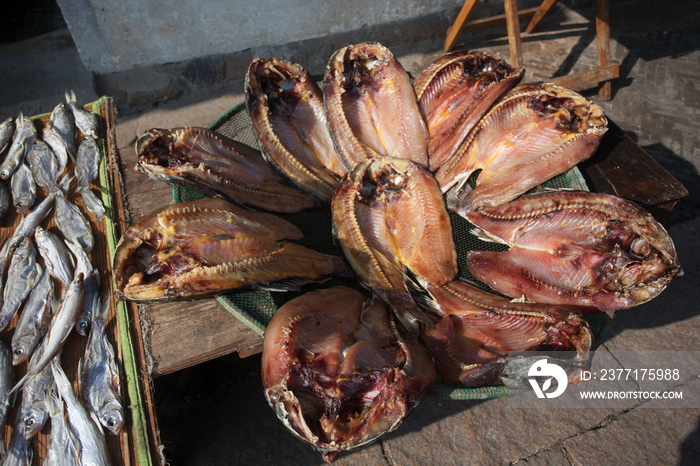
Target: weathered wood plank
[[585, 79], [513, 24]]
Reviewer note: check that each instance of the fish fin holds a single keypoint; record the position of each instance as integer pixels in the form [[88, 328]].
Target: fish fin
[[22, 382], [486, 236], [422, 297], [455, 197], [70, 97], [291, 284]]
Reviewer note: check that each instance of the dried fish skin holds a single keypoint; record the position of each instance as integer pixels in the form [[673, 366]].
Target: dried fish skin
[[372, 107], [44, 166], [286, 110], [203, 160], [23, 188], [338, 372], [72, 223], [87, 162], [476, 331], [63, 123], [57, 257], [205, 247], [587, 250], [34, 319], [455, 92], [532, 134], [21, 278]]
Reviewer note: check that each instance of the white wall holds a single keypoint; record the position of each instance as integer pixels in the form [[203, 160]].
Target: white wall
[[121, 35]]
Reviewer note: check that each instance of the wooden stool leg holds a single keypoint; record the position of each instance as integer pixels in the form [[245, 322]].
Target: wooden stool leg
[[513, 22], [602, 22], [456, 28], [539, 14]]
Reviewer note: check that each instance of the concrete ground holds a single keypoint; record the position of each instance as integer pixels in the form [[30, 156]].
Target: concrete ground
[[215, 413]]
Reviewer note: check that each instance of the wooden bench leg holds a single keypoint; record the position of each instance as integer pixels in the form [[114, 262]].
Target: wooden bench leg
[[513, 22], [539, 14], [602, 22], [462, 18]]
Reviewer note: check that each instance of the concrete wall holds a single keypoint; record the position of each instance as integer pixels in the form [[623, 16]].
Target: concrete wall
[[123, 35]]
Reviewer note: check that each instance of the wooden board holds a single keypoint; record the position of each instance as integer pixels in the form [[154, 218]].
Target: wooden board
[[122, 448]]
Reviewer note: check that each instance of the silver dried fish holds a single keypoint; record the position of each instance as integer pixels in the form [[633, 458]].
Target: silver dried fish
[[21, 278], [7, 129], [64, 447], [72, 223], [34, 319], [7, 379], [56, 255], [24, 136], [23, 188], [44, 166], [34, 411], [63, 122], [91, 287], [85, 121]]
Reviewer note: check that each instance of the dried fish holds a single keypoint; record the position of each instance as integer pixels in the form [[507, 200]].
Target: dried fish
[[22, 275], [339, 372], [7, 380], [34, 319], [63, 123], [85, 121], [19, 451], [24, 136], [91, 281], [200, 248], [100, 385], [56, 255], [532, 134], [588, 250], [455, 92], [93, 447], [44, 166], [371, 106], [34, 410], [87, 163], [390, 220], [64, 447], [286, 111], [23, 188], [203, 160], [72, 223], [476, 331], [7, 129], [58, 146]]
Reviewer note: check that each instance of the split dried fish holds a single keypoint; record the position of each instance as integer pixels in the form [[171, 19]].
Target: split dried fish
[[372, 107], [532, 134], [339, 372], [285, 106], [588, 250], [476, 331], [455, 92], [390, 220], [203, 160], [22, 275], [100, 385], [204, 247], [34, 319]]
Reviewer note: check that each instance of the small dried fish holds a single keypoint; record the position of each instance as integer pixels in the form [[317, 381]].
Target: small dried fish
[[7, 129], [24, 136], [23, 188], [72, 223], [91, 288], [100, 386], [85, 121], [7, 380], [34, 319], [56, 255], [44, 166], [34, 411], [93, 449], [61, 324], [58, 146], [87, 163], [21, 278], [19, 451], [64, 447], [63, 123]]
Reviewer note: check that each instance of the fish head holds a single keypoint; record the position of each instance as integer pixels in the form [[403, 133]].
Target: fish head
[[21, 350], [112, 418], [34, 420]]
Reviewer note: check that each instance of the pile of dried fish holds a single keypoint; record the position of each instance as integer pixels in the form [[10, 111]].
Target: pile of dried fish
[[392, 158], [54, 287]]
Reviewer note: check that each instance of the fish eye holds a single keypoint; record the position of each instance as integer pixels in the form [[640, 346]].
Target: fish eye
[[111, 423], [30, 422], [18, 351]]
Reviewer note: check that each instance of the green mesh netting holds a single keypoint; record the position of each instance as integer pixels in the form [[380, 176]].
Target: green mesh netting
[[256, 308]]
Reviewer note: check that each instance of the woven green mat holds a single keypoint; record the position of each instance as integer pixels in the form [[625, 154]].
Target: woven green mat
[[256, 308]]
